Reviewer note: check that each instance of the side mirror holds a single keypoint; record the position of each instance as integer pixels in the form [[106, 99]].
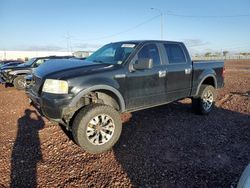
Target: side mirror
[[143, 63]]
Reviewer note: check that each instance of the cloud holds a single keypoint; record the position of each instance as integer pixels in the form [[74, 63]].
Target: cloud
[[56, 48], [44, 48], [196, 46], [194, 42], [86, 46], [36, 48]]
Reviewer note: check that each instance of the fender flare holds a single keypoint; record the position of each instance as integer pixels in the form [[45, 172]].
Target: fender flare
[[207, 76], [99, 87]]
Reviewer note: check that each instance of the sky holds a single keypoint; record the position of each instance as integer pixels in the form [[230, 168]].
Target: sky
[[63, 25]]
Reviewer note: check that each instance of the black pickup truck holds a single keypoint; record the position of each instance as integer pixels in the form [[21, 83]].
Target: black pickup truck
[[15, 74], [87, 96]]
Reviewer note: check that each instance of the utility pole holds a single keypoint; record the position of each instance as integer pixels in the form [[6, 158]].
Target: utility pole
[[69, 47], [4, 54], [161, 13]]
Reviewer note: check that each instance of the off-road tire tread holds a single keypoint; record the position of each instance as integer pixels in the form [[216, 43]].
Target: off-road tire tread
[[83, 117]]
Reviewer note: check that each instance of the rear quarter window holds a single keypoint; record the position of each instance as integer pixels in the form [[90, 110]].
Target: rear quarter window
[[175, 53]]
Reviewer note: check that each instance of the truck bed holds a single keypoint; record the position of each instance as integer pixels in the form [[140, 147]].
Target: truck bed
[[202, 68]]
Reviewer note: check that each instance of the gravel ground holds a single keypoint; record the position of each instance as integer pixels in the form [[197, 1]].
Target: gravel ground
[[166, 146]]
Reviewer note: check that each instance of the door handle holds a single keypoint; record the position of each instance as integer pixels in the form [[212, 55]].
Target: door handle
[[188, 71], [162, 73]]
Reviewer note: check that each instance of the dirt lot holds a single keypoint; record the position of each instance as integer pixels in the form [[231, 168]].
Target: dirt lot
[[165, 146]]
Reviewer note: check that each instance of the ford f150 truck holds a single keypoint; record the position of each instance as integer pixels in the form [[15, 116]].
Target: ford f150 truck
[[15, 74], [87, 96]]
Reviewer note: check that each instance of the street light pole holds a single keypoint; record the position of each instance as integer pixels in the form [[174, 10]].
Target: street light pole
[[161, 13]]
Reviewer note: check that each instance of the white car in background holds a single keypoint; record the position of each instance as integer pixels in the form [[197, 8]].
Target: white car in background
[[245, 178]]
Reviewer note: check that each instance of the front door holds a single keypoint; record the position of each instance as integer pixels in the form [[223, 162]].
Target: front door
[[146, 87]]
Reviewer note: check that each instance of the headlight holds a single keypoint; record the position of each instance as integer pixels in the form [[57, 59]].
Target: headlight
[[55, 86], [7, 70]]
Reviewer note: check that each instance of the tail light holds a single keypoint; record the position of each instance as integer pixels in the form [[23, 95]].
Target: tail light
[[223, 72]]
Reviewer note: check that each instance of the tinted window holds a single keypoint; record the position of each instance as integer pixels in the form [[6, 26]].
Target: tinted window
[[150, 51], [28, 63], [175, 53]]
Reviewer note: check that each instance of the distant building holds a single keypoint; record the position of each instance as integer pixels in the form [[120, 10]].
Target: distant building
[[24, 55], [82, 53]]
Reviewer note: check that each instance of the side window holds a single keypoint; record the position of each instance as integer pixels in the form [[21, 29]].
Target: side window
[[150, 51], [175, 53]]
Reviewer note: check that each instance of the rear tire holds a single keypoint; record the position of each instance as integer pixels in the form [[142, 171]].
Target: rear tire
[[96, 128], [204, 102], [19, 83]]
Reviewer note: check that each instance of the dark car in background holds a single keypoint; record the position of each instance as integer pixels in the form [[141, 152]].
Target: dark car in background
[[9, 63], [15, 74]]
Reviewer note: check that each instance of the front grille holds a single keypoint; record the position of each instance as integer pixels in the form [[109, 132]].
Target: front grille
[[36, 84]]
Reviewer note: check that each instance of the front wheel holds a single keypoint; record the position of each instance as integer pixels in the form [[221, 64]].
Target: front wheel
[[19, 83], [204, 102], [97, 128]]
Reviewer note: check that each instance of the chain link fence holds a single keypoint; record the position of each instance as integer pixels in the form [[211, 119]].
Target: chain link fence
[[234, 57]]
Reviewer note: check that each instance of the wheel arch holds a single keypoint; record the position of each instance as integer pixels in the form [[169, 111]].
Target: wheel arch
[[209, 79], [108, 94]]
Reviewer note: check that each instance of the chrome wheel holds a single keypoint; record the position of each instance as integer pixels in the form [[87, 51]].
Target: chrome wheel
[[207, 100], [21, 83], [100, 129]]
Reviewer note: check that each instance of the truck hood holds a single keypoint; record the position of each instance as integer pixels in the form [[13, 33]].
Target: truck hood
[[66, 68]]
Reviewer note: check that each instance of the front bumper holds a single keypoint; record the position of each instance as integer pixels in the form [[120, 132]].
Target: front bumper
[[52, 106]]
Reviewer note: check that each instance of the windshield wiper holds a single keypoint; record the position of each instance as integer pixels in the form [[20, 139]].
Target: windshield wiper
[[98, 61]]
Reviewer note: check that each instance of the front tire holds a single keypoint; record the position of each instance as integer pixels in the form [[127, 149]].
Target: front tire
[[96, 128], [19, 83], [204, 102]]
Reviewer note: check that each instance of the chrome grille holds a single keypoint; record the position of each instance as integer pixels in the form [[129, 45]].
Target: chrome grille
[[36, 84]]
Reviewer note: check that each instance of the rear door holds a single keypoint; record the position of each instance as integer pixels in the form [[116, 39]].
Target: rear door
[[146, 87], [179, 71]]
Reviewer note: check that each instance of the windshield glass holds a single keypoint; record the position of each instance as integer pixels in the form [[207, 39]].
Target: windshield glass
[[28, 63], [113, 53]]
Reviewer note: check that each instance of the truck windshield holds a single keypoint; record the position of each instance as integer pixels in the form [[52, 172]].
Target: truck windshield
[[113, 53]]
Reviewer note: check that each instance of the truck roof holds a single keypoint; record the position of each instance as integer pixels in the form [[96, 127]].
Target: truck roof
[[143, 41], [53, 57]]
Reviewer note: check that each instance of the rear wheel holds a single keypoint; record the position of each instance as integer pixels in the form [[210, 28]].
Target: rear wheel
[[19, 83], [97, 128], [204, 102]]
